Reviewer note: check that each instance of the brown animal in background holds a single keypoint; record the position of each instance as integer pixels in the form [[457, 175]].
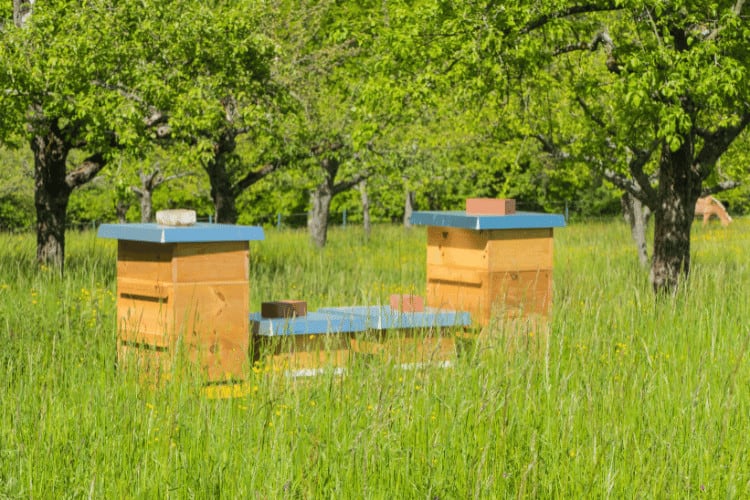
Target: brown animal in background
[[709, 206]]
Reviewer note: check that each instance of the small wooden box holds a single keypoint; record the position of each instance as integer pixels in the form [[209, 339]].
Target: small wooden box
[[283, 309], [187, 286]]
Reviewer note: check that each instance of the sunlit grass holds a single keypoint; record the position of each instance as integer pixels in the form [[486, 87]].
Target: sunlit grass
[[626, 397]]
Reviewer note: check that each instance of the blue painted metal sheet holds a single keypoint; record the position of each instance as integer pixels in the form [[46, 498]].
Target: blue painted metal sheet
[[383, 317], [197, 233], [314, 323], [519, 220]]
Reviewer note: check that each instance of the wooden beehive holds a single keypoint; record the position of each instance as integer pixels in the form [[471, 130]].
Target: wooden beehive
[[399, 336], [489, 265], [311, 342], [187, 296]]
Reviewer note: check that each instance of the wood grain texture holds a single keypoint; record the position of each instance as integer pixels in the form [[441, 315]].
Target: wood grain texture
[[194, 294], [490, 272], [408, 345], [297, 352]]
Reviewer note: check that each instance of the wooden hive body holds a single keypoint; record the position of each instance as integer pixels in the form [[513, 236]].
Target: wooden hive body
[[488, 271], [183, 294], [490, 265], [192, 294]]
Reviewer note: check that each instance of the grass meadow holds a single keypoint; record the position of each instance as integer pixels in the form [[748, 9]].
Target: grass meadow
[[624, 398]]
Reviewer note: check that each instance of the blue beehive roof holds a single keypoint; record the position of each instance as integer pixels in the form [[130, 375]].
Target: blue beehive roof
[[313, 323], [518, 220], [196, 233], [383, 317]]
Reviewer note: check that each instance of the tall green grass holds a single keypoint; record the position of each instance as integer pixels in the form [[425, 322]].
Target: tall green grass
[[625, 397]]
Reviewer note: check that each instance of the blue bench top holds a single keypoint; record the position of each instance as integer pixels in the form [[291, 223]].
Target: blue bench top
[[383, 317], [200, 232], [518, 220], [314, 323]]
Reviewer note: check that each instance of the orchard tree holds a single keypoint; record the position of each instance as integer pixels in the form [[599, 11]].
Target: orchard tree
[[656, 91], [59, 66], [322, 47], [101, 77], [223, 94]]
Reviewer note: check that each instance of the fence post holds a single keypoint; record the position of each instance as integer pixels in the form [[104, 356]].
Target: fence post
[[344, 219], [278, 221], [566, 211]]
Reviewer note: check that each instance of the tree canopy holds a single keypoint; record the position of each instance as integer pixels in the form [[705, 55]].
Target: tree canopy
[[446, 99]]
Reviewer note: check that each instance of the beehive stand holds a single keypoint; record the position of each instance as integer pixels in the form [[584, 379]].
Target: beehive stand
[[307, 343], [187, 287], [489, 264], [404, 336]]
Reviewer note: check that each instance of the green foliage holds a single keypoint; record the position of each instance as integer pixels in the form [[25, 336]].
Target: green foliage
[[448, 99], [16, 190]]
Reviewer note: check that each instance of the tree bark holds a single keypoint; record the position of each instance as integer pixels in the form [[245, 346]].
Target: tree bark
[[145, 193], [679, 188], [121, 209], [51, 196], [409, 204], [320, 205], [146, 205], [637, 215], [222, 193], [22, 11], [365, 208]]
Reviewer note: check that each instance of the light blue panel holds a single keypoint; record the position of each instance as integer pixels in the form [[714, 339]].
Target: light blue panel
[[197, 233], [314, 323], [383, 317], [519, 220]]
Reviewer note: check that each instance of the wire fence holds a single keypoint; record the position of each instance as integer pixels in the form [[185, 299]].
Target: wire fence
[[342, 218]]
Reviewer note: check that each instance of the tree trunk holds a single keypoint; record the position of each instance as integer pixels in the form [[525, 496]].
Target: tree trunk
[[121, 209], [320, 205], [222, 192], [365, 208], [51, 196], [225, 207], [679, 189], [22, 11], [410, 203], [147, 205], [637, 215]]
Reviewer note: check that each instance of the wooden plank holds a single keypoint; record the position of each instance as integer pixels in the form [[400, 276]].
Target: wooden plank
[[148, 290], [449, 246], [218, 261], [457, 296], [522, 293], [491, 250], [208, 309], [302, 351], [519, 249], [407, 346], [455, 274], [146, 320], [484, 294], [220, 358], [144, 261]]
